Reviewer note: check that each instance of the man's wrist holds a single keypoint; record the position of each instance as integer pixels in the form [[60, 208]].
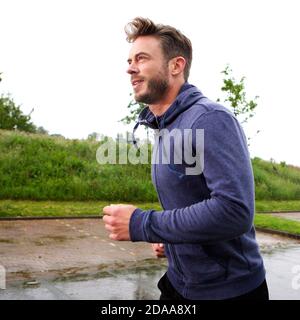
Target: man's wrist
[[136, 229]]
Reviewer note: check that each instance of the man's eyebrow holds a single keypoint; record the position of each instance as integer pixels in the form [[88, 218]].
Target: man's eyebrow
[[138, 54]]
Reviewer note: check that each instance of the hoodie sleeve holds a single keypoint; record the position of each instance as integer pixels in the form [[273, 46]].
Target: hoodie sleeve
[[228, 213]]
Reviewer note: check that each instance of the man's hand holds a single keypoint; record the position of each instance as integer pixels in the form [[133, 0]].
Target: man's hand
[[116, 218], [158, 249]]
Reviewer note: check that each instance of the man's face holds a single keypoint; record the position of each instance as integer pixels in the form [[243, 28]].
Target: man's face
[[148, 69]]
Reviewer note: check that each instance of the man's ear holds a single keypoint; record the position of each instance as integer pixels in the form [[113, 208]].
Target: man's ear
[[177, 65]]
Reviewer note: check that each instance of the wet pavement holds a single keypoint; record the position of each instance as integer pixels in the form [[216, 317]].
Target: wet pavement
[[74, 259]]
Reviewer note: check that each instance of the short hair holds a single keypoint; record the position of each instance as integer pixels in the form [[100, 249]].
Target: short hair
[[173, 42]]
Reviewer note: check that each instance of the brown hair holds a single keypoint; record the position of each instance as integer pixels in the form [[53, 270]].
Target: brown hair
[[173, 42]]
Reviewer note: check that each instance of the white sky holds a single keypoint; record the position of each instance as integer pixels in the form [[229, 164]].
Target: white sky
[[67, 60]]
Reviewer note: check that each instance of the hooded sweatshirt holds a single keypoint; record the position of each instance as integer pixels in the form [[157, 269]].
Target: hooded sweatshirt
[[206, 223]]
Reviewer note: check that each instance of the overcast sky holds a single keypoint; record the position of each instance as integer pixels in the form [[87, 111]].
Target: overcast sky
[[67, 60]]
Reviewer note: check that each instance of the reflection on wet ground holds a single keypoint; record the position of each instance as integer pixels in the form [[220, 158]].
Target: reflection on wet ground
[[283, 275], [137, 282], [140, 282]]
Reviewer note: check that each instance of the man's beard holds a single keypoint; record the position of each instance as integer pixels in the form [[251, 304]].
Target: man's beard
[[156, 89]]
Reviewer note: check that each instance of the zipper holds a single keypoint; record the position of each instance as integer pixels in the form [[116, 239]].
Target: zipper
[[155, 170], [171, 247], [175, 258]]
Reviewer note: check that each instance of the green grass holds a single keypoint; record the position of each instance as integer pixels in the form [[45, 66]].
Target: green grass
[[41, 167], [276, 206], [277, 223], [13, 208], [24, 208], [276, 181]]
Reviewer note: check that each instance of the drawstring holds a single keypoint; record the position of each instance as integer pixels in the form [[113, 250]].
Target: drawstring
[[133, 137], [141, 121], [148, 124]]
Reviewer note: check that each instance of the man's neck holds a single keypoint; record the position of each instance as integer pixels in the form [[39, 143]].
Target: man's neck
[[163, 105]]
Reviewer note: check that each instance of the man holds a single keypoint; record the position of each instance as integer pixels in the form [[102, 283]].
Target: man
[[206, 227]]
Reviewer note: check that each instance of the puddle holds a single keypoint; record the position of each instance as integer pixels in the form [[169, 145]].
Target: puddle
[[283, 273], [139, 281]]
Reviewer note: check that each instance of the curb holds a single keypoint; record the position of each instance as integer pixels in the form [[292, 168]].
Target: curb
[[50, 218], [280, 233], [279, 211]]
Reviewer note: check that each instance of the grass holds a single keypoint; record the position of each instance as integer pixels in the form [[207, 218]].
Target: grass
[[276, 181], [13, 208], [25, 208], [42, 167], [276, 206], [277, 223]]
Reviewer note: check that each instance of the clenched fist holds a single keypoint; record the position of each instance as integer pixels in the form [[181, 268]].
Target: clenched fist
[[158, 249], [116, 218]]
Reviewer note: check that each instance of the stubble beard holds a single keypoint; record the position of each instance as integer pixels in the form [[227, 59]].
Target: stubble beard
[[156, 90]]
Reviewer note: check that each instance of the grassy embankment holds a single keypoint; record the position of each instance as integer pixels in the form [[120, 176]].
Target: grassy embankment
[[47, 176]]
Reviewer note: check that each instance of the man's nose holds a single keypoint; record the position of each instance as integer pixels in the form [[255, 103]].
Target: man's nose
[[132, 69]]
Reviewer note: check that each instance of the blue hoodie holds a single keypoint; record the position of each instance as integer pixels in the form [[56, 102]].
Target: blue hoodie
[[207, 220]]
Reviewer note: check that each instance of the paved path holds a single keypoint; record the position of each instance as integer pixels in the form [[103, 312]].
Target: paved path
[[62, 247], [75, 259], [288, 215]]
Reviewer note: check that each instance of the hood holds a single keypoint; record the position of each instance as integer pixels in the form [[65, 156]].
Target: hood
[[187, 96]]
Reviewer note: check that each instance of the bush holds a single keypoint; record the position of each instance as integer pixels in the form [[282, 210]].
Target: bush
[[41, 167]]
